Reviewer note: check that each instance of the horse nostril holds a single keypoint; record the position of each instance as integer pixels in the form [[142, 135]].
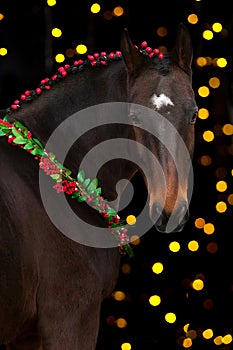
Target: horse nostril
[[169, 222]]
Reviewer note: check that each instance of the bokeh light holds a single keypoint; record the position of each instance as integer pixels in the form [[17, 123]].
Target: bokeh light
[[95, 8], [157, 268], [56, 32], [155, 300], [60, 58], [170, 317], [81, 49]]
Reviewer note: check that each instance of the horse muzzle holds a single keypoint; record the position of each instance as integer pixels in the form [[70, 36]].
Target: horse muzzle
[[168, 222]]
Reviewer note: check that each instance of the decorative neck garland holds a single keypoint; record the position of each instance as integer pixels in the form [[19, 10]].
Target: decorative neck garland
[[82, 189]]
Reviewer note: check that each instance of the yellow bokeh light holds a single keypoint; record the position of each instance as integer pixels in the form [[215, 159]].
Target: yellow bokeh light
[[208, 135], [209, 228], [208, 34], [221, 62], [201, 61], [214, 82], [174, 247], [119, 295], [186, 327], [217, 27], [199, 222], [95, 8], [157, 267], [227, 129], [121, 323], [3, 51], [1, 16], [207, 333], [56, 32], [221, 207], [51, 2], [170, 317], [192, 334], [126, 346], [118, 11], [203, 113], [227, 339], [155, 300], [131, 220], [193, 246], [187, 343], [221, 186], [60, 58], [203, 91], [126, 269], [192, 18], [230, 199], [218, 340], [198, 284], [81, 49]]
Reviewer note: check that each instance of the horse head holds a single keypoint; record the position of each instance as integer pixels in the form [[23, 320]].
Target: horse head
[[162, 84]]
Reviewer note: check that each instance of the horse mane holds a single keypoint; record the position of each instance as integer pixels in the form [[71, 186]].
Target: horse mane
[[162, 62]]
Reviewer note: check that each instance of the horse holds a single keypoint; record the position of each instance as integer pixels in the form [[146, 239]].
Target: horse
[[52, 287]]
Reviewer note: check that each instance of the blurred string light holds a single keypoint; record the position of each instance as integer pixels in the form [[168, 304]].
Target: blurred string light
[[207, 34], [81, 49], [209, 228], [95, 8], [192, 18], [157, 268], [208, 333], [205, 160], [1, 16], [118, 11], [3, 51], [193, 246], [198, 284], [221, 186], [155, 300], [174, 246], [56, 32], [170, 317], [199, 223], [162, 32], [121, 323], [221, 207], [119, 295], [228, 129], [203, 91], [214, 82], [203, 113], [59, 58], [208, 136], [217, 27], [221, 62], [126, 346], [51, 2]]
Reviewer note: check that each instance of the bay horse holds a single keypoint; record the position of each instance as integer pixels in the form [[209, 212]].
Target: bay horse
[[51, 287]]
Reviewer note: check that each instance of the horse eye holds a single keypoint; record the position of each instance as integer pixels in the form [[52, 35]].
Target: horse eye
[[194, 117]]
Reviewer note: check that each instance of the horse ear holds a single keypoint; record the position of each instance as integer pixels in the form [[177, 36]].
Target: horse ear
[[183, 51], [132, 57]]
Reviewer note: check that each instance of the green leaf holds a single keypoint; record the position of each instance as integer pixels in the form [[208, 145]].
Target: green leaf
[[20, 140], [76, 194], [29, 145], [52, 156], [19, 125], [6, 118], [82, 199], [16, 133], [3, 132], [38, 143], [55, 176], [86, 183], [98, 192], [81, 176], [111, 212], [93, 185], [37, 151]]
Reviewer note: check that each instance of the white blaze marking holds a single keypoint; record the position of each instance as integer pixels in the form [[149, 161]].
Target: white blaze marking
[[161, 100]]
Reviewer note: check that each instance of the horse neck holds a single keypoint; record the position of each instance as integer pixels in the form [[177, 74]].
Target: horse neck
[[92, 86]]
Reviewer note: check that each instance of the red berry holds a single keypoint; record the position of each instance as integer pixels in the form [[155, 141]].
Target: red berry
[[144, 44], [23, 97], [90, 57], [38, 91], [156, 51], [27, 93], [111, 55]]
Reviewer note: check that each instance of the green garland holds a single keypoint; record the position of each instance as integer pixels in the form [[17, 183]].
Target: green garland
[[80, 188]]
